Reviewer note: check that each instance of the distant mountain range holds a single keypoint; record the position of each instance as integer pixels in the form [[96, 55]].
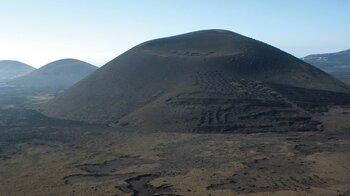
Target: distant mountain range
[[58, 74], [10, 69], [337, 64]]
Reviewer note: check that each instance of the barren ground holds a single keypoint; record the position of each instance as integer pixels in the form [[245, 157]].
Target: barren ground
[[42, 156]]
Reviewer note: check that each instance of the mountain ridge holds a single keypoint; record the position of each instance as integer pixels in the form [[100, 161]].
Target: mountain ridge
[[331, 62], [336, 64]]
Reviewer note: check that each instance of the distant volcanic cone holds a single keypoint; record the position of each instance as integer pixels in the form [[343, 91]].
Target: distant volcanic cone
[[62, 73]]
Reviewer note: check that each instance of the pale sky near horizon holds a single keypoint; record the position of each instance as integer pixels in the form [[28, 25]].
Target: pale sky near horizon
[[37, 32]]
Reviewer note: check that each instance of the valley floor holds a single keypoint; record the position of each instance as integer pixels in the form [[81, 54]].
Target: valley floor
[[103, 161], [42, 156]]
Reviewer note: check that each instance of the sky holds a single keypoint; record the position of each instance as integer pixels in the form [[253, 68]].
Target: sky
[[37, 32]]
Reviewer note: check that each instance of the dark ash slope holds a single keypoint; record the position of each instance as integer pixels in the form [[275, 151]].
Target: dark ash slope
[[213, 80]]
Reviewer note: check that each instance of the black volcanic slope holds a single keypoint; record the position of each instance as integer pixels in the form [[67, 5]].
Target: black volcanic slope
[[12, 69], [61, 73], [211, 80]]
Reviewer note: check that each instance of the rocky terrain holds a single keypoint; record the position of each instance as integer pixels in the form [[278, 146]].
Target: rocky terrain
[[46, 156]]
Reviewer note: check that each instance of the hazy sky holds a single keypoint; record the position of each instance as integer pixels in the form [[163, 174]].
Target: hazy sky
[[39, 31]]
